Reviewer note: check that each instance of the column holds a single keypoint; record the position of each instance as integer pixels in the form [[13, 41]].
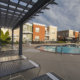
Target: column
[[20, 39]]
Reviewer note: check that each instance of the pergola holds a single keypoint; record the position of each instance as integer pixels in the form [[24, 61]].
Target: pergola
[[14, 13]]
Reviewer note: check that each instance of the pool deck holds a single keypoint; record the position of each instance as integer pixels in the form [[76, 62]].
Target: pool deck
[[66, 66]]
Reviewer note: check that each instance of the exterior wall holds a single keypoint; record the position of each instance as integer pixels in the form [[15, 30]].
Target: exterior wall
[[63, 34], [46, 33], [38, 32], [10, 33], [27, 32], [52, 33], [27, 37], [76, 34], [27, 28], [16, 35], [66, 34], [71, 33]]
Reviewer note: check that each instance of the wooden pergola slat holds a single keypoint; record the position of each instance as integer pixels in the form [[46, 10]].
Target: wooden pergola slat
[[18, 11]]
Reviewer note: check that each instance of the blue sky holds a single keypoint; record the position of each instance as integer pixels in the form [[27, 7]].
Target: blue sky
[[65, 15]]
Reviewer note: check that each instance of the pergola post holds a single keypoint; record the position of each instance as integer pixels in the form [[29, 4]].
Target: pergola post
[[12, 38], [0, 39], [20, 39]]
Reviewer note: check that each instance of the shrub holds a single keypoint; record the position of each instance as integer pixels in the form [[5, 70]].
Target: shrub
[[61, 42], [5, 38]]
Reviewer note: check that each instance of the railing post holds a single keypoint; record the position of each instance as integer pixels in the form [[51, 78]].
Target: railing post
[[56, 49], [61, 50]]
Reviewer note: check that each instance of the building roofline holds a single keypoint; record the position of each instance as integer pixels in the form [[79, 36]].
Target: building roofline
[[52, 26], [66, 30], [27, 24], [39, 24]]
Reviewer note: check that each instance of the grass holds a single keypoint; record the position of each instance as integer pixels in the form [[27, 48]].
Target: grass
[[61, 42]]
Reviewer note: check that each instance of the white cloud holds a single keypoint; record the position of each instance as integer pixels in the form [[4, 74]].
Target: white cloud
[[65, 15]]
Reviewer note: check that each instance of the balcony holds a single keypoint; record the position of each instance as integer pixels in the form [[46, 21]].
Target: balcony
[[47, 34], [27, 32]]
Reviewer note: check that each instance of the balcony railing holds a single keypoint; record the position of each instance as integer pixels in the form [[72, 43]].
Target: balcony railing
[[27, 32], [46, 34]]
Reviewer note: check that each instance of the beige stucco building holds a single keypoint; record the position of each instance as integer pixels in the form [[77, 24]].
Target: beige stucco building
[[51, 33], [16, 35], [27, 32]]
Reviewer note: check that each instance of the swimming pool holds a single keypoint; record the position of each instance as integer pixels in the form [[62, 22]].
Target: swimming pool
[[63, 49]]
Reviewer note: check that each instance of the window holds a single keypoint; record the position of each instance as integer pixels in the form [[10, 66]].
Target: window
[[37, 29], [36, 37], [53, 32]]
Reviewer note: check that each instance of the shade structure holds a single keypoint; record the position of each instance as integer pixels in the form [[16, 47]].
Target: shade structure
[[15, 12]]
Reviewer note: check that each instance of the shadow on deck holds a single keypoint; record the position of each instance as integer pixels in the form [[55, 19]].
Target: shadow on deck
[[12, 67]]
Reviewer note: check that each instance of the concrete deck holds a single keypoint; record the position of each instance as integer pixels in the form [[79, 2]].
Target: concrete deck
[[66, 66]]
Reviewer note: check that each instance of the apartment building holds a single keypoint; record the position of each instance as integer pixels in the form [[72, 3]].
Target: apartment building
[[27, 32], [47, 34], [16, 35], [68, 34], [51, 33], [38, 32], [76, 33]]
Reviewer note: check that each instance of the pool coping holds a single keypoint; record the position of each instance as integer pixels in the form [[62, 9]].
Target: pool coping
[[55, 52]]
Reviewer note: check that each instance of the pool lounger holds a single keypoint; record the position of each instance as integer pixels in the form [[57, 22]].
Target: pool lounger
[[48, 76]]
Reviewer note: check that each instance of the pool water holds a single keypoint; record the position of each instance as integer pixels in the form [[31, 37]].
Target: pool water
[[63, 49]]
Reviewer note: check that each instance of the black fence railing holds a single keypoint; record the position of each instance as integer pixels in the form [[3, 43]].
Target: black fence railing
[[41, 42]]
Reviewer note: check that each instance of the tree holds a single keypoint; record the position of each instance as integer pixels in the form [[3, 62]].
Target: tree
[[5, 38]]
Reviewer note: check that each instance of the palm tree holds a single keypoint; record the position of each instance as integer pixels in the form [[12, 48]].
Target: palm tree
[[4, 38]]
